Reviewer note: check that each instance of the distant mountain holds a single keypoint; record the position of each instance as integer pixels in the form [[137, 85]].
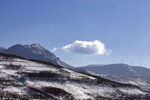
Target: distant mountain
[[36, 52], [117, 69], [2, 49]]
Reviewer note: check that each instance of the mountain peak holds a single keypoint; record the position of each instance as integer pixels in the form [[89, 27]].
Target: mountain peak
[[16, 45], [36, 52], [33, 51], [36, 45]]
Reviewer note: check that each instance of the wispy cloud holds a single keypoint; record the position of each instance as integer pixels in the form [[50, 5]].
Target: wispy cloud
[[95, 47]]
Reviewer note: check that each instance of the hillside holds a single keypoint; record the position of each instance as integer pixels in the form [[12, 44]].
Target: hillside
[[32, 79], [141, 81]]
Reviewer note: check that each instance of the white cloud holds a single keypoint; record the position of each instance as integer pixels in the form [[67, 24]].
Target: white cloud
[[54, 49], [95, 47]]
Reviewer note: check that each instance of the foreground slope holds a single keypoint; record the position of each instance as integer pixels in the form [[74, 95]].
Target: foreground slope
[[31, 79], [141, 81]]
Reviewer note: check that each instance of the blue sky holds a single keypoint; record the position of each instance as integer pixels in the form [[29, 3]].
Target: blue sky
[[123, 26]]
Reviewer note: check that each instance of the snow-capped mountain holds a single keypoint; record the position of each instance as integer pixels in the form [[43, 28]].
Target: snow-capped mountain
[[117, 69], [32, 79], [2, 49], [36, 52]]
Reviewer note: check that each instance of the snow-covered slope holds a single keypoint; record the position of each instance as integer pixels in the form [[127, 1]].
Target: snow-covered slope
[[117, 69], [141, 81], [36, 52], [21, 78]]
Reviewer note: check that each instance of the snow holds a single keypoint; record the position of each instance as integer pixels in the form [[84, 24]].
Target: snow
[[130, 91], [3, 75], [69, 87], [143, 82], [9, 72], [80, 90], [37, 68], [76, 74], [17, 90]]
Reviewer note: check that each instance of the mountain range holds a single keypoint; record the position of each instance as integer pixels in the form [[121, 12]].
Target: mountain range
[[38, 52], [33, 72], [117, 69]]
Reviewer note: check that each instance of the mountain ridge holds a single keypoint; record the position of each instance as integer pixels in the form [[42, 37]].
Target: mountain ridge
[[117, 69]]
